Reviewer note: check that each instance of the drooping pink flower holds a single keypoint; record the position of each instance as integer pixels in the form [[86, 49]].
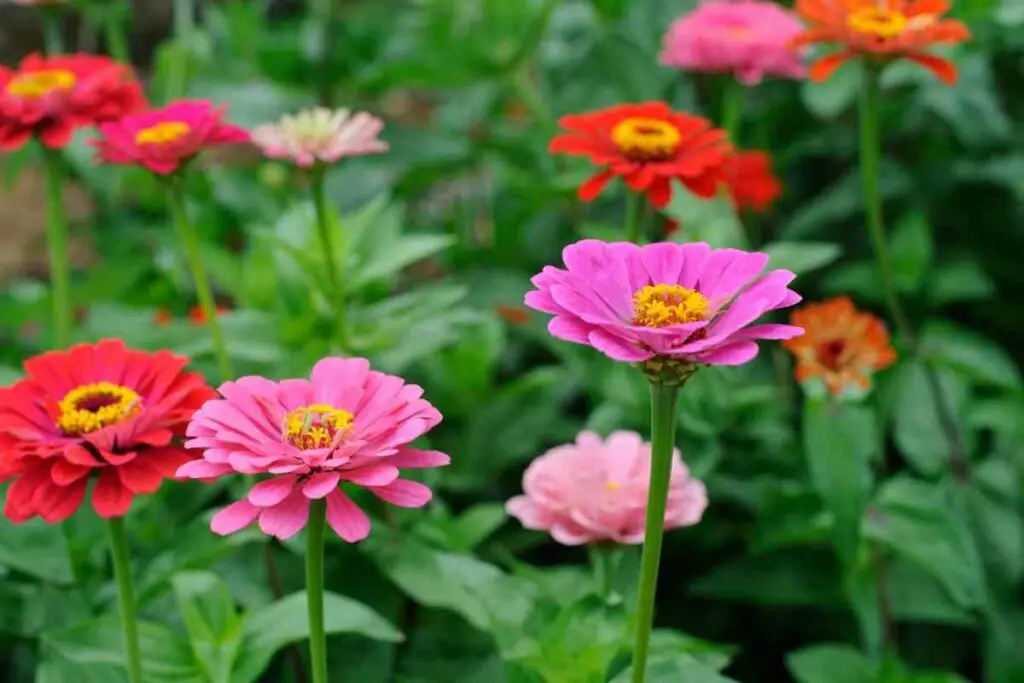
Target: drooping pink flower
[[346, 424], [686, 302], [596, 490], [749, 38], [162, 140], [321, 135]]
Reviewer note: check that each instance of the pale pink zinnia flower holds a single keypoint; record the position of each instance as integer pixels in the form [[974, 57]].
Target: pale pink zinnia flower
[[346, 423], [682, 302], [749, 38], [321, 134], [596, 490]]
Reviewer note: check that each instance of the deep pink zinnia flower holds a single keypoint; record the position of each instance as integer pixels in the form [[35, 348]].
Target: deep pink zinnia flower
[[685, 302], [346, 423], [164, 139], [101, 410], [749, 38], [596, 490]]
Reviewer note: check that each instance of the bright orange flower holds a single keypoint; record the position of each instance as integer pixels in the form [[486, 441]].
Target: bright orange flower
[[196, 316], [750, 181], [841, 345], [881, 30]]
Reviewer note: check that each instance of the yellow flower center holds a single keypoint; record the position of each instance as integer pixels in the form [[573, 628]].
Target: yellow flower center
[[92, 407], [162, 133], [38, 84], [612, 486], [664, 305], [878, 21], [316, 426], [646, 139]]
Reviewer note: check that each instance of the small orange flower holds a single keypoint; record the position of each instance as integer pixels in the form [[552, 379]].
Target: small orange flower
[[196, 316], [841, 345], [882, 30], [162, 317]]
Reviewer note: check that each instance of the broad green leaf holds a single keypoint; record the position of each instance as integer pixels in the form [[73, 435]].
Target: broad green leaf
[[912, 251], [981, 359], [792, 576], [802, 257], [830, 664], [994, 500], [706, 220], [212, 624], [391, 260], [958, 282], [674, 670], [35, 548], [829, 99], [919, 430]]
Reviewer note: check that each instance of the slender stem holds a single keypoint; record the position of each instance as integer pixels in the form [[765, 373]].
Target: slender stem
[[315, 589], [325, 229], [732, 110], [126, 598], [115, 32], [53, 30], [176, 200], [184, 26], [634, 212], [600, 560], [663, 420], [327, 15], [57, 246], [885, 616]]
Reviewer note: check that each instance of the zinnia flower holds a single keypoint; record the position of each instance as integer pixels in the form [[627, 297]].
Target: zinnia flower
[[880, 30], [749, 179], [842, 346], [50, 97], [596, 490], [682, 302], [346, 423], [321, 135], [101, 410], [749, 38], [164, 139], [648, 145]]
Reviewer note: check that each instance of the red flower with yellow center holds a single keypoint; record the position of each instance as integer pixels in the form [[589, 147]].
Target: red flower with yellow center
[[881, 30], [750, 181], [841, 345], [648, 145], [50, 97]]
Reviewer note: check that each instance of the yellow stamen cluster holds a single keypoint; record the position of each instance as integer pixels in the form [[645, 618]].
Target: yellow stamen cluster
[[36, 84], [92, 407], [878, 21], [316, 426], [162, 133], [646, 139], [664, 305]]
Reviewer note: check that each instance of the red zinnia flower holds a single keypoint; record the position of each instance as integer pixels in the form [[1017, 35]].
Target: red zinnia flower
[[880, 30], [647, 144], [750, 181], [97, 409], [164, 139], [49, 97]]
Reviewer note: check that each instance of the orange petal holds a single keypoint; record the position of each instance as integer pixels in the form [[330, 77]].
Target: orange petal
[[592, 187], [823, 69], [933, 7], [943, 68]]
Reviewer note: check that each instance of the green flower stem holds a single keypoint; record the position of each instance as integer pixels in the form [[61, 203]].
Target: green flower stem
[[184, 26], [53, 30], [315, 589], [126, 598], [634, 216], [176, 200], [115, 31], [57, 246], [601, 561], [663, 421], [327, 15], [732, 110], [324, 227]]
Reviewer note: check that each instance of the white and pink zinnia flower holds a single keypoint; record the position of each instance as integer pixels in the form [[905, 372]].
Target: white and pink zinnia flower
[[321, 135], [595, 490], [347, 423]]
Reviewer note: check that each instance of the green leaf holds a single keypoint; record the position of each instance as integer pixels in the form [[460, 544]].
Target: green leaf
[[830, 664], [675, 669], [706, 220], [213, 626], [994, 500], [918, 429], [958, 282], [389, 261], [802, 257], [912, 251], [979, 358], [829, 99], [37, 549]]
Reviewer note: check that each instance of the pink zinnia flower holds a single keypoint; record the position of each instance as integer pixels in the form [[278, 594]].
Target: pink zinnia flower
[[596, 490], [322, 135], [684, 302], [164, 139], [749, 38], [346, 423]]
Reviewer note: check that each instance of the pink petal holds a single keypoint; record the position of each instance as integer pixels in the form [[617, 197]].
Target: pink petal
[[345, 517], [404, 493], [285, 519], [270, 492], [234, 517], [373, 475], [735, 353], [319, 485], [617, 349], [413, 458]]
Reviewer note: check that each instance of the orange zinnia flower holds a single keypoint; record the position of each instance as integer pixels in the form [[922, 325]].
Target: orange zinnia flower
[[750, 181], [881, 30], [841, 345]]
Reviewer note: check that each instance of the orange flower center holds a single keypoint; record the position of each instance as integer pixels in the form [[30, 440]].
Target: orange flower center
[[830, 353], [646, 139], [162, 133], [37, 84], [664, 305], [316, 426], [92, 407], [878, 21]]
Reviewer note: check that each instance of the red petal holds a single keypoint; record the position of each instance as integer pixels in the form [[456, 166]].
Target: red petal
[[57, 503], [80, 456], [826, 66], [64, 472], [943, 68], [593, 186], [139, 477], [109, 497]]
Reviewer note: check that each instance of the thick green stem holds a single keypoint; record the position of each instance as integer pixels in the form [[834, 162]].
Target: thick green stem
[[663, 421], [325, 229], [126, 599], [53, 30], [315, 589], [732, 110], [634, 215], [57, 246], [176, 199], [115, 32]]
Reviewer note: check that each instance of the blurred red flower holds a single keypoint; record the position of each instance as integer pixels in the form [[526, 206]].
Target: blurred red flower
[[749, 179]]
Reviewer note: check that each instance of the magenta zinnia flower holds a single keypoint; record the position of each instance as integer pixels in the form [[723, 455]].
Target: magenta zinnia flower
[[749, 38], [684, 302], [596, 490], [346, 423], [321, 135]]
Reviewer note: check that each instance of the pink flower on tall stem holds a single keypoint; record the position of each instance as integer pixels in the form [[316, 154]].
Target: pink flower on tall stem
[[346, 424], [162, 140], [748, 38], [596, 489], [321, 135]]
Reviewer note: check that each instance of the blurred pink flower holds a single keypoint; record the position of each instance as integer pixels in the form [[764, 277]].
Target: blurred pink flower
[[686, 302], [749, 38], [321, 135], [596, 490], [164, 139], [346, 423]]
